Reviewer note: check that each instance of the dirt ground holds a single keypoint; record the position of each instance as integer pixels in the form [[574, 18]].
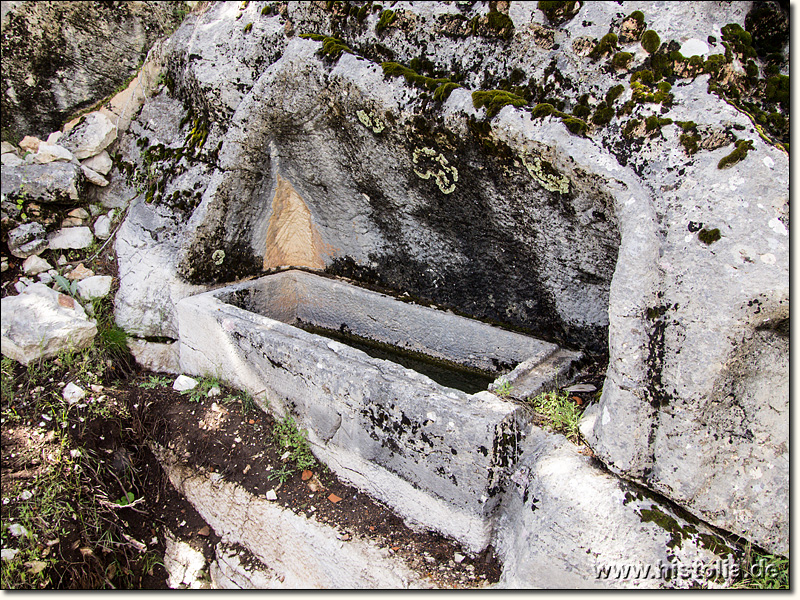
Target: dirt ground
[[223, 436]]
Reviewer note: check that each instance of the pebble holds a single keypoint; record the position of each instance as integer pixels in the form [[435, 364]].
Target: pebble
[[271, 495]]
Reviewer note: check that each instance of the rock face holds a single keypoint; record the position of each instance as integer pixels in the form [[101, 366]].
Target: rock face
[[51, 182], [40, 322], [60, 58], [616, 199]]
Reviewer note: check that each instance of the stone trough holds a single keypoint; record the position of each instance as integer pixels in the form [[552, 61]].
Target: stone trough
[[437, 455]]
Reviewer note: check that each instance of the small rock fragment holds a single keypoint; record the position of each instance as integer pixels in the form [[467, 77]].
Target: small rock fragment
[[581, 388], [334, 498], [72, 393], [79, 273], [183, 383], [34, 265], [271, 495]]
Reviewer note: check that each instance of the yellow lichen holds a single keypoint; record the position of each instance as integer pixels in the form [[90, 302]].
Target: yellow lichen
[[446, 175], [371, 121], [545, 175]]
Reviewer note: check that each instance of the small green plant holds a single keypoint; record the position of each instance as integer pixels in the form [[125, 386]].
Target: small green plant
[[127, 499], [200, 392], [290, 438], [503, 388], [282, 474], [763, 571], [247, 27], [155, 381], [67, 286], [561, 413]]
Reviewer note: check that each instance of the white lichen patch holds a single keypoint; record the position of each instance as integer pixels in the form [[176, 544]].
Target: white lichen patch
[[445, 174], [371, 121], [545, 175], [218, 256]]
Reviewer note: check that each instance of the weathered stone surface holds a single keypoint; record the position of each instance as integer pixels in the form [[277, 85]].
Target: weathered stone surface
[[12, 160], [184, 383], [100, 163], [437, 455], [96, 286], [564, 520], [94, 177], [102, 227], [99, 47], [52, 182], [27, 240], [36, 325], [30, 143], [90, 136], [50, 152], [34, 265], [302, 552], [71, 237], [6, 147], [590, 239], [156, 356]]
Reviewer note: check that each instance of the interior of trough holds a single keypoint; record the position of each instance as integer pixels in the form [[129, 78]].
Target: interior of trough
[[454, 351]]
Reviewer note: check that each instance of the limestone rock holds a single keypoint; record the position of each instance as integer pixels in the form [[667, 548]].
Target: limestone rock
[[158, 357], [100, 46], [184, 383], [96, 286], [72, 393], [35, 324], [48, 153], [79, 273], [54, 137], [102, 227], [79, 213], [11, 159], [585, 235], [100, 163], [94, 177], [53, 182], [27, 240], [564, 520], [30, 144], [8, 147], [90, 136], [71, 237], [34, 265]]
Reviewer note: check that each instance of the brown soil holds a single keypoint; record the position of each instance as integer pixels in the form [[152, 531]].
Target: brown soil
[[218, 436]]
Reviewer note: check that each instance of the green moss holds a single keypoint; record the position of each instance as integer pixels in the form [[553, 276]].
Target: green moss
[[501, 24], [708, 236], [542, 110], [645, 77], [630, 126], [603, 115], [387, 18], [690, 143], [667, 523], [606, 45], [247, 27], [686, 126], [751, 69], [662, 65], [637, 15], [614, 93], [740, 40], [655, 123], [334, 47], [621, 60], [362, 13], [777, 90], [581, 111], [266, 10], [664, 86], [313, 36], [651, 41], [558, 12], [576, 126], [494, 100], [443, 92], [714, 64], [738, 155]]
